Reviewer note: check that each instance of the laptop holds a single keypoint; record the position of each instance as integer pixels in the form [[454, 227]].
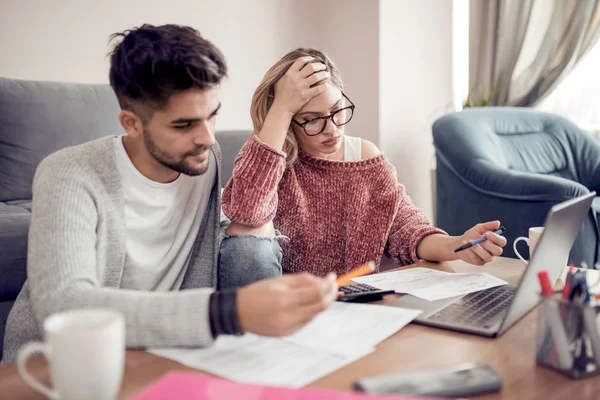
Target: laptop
[[493, 311]]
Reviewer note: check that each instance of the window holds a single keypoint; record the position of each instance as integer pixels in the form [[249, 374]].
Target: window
[[577, 97]]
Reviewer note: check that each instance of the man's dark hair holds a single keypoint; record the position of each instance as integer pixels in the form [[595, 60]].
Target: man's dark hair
[[152, 63]]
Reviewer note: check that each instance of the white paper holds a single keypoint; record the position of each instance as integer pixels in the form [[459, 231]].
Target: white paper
[[338, 336], [262, 360], [345, 328], [430, 284]]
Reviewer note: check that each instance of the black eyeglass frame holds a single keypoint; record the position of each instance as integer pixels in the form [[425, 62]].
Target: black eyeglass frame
[[326, 117]]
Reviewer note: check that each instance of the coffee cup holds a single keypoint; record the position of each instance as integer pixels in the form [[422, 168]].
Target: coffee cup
[[532, 241], [85, 349]]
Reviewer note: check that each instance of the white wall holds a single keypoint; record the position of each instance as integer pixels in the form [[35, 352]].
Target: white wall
[[415, 78], [67, 40], [460, 53], [349, 32]]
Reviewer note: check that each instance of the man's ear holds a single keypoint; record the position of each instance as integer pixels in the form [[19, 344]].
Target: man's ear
[[131, 123]]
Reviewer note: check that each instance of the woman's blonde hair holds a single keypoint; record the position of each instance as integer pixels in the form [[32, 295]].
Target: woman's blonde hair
[[265, 93]]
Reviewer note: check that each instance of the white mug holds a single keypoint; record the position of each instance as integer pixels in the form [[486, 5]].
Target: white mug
[[532, 241], [85, 349]]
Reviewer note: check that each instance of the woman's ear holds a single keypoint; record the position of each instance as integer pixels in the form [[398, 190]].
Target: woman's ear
[[131, 123]]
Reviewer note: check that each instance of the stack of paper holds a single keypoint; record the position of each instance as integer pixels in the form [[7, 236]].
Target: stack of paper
[[338, 336], [430, 284]]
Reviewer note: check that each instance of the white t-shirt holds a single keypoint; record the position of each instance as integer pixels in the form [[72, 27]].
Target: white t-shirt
[[352, 148], [162, 222]]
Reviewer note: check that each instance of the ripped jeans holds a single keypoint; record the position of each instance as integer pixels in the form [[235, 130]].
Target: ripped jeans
[[244, 259]]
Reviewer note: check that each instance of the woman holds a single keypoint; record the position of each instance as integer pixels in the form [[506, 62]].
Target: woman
[[334, 196]]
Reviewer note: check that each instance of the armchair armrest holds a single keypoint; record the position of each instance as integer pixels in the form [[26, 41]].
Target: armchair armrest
[[485, 177]]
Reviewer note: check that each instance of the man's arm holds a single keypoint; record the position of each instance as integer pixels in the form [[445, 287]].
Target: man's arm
[[64, 273], [66, 265]]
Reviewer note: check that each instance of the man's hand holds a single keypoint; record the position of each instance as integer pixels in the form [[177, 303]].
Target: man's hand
[[483, 252], [280, 306]]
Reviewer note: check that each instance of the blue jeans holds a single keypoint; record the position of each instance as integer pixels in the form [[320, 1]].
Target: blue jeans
[[244, 259]]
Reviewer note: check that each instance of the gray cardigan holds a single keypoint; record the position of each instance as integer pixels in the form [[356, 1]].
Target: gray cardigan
[[76, 253]]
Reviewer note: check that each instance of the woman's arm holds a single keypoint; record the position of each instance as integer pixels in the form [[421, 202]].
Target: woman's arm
[[275, 127], [413, 237], [304, 80], [441, 247], [250, 196], [437, 247], [409, 228]]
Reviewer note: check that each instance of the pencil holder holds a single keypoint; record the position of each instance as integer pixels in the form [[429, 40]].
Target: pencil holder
[[567, 339]]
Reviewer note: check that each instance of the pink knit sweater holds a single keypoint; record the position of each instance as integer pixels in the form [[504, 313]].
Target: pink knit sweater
[[337, 214]]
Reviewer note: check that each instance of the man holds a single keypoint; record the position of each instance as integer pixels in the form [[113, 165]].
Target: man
[[132, 222]]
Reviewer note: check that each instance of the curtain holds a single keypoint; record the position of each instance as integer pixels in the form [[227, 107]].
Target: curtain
[[521, 49]]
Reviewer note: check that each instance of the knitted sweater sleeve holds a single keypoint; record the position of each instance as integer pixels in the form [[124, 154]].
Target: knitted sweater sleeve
[[250, 196], [409, 227]]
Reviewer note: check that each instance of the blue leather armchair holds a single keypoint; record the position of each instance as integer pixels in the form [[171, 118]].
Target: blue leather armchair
[[514, 164]]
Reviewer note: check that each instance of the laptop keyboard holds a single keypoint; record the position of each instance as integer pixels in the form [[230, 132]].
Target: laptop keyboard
[[479, 309]]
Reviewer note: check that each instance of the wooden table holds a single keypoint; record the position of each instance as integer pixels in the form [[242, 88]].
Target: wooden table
[[413, 348]]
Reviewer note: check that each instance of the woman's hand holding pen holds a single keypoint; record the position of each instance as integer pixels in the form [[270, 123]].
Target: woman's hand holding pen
[[484, 250], [304, 80]]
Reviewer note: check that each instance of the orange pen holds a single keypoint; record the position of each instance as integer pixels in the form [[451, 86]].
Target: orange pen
[[361, 270]]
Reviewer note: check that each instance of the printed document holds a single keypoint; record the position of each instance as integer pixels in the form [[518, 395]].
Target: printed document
[[338, 336], [347, 327], [430, 284], [261, 360]]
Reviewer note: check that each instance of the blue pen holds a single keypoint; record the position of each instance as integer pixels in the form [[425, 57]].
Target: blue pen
[[472, 243]]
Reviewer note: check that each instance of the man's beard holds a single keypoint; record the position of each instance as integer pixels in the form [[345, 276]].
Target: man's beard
[[181, 166]]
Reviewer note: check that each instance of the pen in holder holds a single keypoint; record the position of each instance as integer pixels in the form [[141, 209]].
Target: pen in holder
[[568, 340]]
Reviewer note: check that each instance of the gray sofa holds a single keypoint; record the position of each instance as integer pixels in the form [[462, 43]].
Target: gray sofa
[[36, 119]]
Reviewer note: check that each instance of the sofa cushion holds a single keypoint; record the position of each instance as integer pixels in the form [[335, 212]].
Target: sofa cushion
[[38, 118], [26, 204], [14, 227], [230, 142], [5, 308]]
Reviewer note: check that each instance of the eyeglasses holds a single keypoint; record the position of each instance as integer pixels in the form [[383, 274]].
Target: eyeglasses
[[317, 125]]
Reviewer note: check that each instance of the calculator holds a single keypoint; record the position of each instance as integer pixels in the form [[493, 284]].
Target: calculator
[[360, 292]]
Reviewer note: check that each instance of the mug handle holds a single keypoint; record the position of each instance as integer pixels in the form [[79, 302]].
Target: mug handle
[[23, 356], [515, 247]]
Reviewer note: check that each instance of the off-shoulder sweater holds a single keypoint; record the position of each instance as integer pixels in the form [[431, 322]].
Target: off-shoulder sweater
[[336, 214]]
